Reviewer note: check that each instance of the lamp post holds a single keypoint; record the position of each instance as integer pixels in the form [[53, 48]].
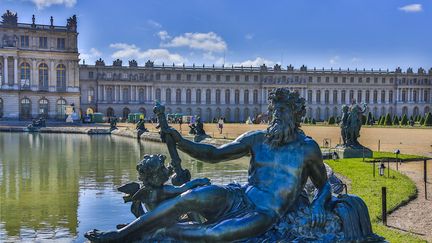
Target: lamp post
[[381, 169], [397, 152]]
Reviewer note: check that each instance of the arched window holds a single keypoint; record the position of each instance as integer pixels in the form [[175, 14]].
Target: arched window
[[198, 112], [359, 96], [189, 112], [158, 94], [218, 97], [326, 113], [125, 95], [375, 96], [335, 96], [246, 98], [43, 107], [141, 95], [416, 111], [61, 109], [61, 77], [90, 95], [1, 107], [43, 77], [318, 114], [414, 94], [343, 96], [188, 97], [351, 96], [168, 96], [326, 97], [318, 96], [126, 112], [255, 96], [227, 96], [404, 96], [208, 97], [367, 98], [25, 108], [198, 96], [309, 96], [209, 115], [426, 96], [237, 99], [110, 112], [405, 110], [178, 96], [383, 96], [25, 75], [109, 94]]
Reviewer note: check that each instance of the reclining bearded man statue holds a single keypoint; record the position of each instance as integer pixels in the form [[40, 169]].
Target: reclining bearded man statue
[[282, 159]]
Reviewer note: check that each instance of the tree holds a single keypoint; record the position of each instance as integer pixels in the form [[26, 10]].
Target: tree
[[306, 120], [313, 121], [404, 121], [422, 119], [387, 120], [381, 120], [363, 119], [331, 120], [369, 119], [428, 120], [395, 120]]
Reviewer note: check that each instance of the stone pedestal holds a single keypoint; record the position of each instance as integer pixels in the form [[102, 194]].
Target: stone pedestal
[[350, 152]]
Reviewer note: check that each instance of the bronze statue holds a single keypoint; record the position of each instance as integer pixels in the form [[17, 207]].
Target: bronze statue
[[351, 123], [282, 160], [140, 128]]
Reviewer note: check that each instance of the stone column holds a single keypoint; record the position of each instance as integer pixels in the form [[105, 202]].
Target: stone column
[[242, 96], [193, 96], [34, 77], [52, 84], [213, 96], [115, 93], [5, 70], [99, 92], [314, 101], [397, 95], [222, 97], [331, 97], [183, 96], [16, 85]]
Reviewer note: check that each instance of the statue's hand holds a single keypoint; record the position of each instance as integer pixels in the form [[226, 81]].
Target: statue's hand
[[201, 182], [318, 216], [102, 236], [173, 133]]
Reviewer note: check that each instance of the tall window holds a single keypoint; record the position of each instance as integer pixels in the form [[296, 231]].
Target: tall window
[[125, 95], [178, 96], [425, 96], [309, 96], [390, 96], [24, 41], [208, 96], [43, 76], [326, 96], [61, 108], [25, 108], [318, 96], [246, 96], [218, 96], [43, 108], [367, 96], [43, 42], [158, 94], [375, 96], [141, 98], [404, 96], [237, 97], [351, 95], [255, 96], [61, 77], [335, 97], [414, 94], [109, 94], [168, 96], [188, 96], [359, 96], [25, 75], [383, 96], [61, 43], [227, 96], [90, 95], [343, 96], [198, 96]]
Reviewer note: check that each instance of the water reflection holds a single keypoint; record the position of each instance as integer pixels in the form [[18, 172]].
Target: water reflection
[[57, 186]]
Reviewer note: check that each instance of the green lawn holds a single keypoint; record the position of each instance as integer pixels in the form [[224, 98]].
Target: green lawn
[[379, 155], [399, 190]]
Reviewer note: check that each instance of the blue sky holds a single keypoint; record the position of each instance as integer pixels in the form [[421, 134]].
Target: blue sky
[[332, 33]]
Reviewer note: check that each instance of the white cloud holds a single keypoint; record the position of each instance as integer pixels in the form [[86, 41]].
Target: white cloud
[[158, 55], [412, 8], [90, 56], [334, 60], [249, 36], [355, 59], [154, 24], [201, 41], [40, 4], [163, 35], [255, 63]]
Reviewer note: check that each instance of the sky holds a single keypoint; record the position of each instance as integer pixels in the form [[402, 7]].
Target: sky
[[331, 34]]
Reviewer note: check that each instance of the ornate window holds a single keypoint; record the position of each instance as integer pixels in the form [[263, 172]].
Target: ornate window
[[335, 97], [326, 97], [343, 96], [188, 96], [168, 96], [218, 96], [318, 96], [90, 95], [61, 109], [237, 97], [375, 96], [25, 75], [141, 97], [227, 96], [383, 96], [110, 112], [198, 96], [126, 112], [61, 77], [125, 95], [109, 94], [43, 76], [255, 96], [178, 96], [309, 96], [390, 96], [208, 96], [25, 108], [246, 96], [43, 107], [359, 96], [351, 95]]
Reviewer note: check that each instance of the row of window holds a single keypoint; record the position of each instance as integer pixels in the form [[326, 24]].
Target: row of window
[[43, 42], [43, 108], [367, 98], [43, 76]]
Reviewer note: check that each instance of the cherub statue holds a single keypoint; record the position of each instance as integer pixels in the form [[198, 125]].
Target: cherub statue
[[153, 174]]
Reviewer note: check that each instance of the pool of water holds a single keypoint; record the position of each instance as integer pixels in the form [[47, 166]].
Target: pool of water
[[55, 187]]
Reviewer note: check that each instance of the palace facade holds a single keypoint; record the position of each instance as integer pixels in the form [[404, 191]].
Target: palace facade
[[38, 68], [40, 75], [237, 93]]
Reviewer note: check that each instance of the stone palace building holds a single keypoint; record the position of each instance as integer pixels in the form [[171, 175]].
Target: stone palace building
[[40, 73]]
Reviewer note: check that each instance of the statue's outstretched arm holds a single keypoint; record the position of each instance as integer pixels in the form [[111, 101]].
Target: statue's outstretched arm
[[212, 154], [318, 176], [170, 191]]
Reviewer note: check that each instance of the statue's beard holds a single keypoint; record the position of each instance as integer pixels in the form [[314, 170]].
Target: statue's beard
[[280, 133]]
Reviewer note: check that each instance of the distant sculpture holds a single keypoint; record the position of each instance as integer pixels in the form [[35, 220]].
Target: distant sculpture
[[140, 127], [10, 18], [113, 123], [272, 206], [36, 124], [72, 23], [351, 123]]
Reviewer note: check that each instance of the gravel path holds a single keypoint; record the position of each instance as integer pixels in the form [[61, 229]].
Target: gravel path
[[416, 216]]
